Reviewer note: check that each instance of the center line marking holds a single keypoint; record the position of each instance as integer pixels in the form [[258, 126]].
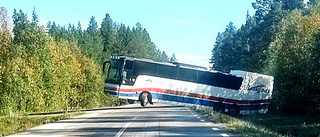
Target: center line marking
[[224, 135], [215, 129], [123, 129], [202, 120]]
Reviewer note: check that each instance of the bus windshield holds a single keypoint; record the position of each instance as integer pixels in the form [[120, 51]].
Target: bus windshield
[[113, 76]]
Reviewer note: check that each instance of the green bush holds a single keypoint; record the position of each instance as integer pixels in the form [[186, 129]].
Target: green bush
[[294, 62], [39, 74]]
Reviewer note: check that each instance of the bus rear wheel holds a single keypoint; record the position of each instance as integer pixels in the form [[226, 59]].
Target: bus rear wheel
[[234, 111], [144, 99]]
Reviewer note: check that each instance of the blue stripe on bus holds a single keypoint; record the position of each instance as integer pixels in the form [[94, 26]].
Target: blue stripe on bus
[[191, 100]]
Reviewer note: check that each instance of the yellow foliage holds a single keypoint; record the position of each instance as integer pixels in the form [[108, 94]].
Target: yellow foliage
[[54, 76]]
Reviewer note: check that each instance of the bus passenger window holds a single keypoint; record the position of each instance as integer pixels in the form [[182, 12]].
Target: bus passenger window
[[187, 74]]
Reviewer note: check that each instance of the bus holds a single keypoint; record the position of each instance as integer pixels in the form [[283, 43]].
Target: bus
[[148, 81]]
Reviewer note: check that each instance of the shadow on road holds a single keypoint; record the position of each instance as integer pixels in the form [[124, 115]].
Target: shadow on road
[[131, 131], [111, 108]]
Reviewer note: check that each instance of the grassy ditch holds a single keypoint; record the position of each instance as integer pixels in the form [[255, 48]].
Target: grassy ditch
[[272, 124], [13, 123], [16, 122]]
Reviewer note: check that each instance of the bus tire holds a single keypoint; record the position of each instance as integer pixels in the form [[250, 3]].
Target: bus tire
[[219, 107], [234, 111], [144, 99]]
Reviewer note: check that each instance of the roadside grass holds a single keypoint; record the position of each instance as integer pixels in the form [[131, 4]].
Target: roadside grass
[[17, 122], [272, 124], [13, 123]]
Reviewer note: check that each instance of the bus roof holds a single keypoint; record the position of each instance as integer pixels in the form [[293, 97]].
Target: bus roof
[[177, 64]]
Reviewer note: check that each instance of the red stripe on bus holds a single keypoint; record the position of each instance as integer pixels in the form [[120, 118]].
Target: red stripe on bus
[[195, 95]]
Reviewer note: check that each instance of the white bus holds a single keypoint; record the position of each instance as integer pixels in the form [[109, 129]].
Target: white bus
[[148, 81]]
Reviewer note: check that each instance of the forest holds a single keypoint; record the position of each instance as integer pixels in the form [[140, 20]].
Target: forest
[[54, 68], [281, 39]]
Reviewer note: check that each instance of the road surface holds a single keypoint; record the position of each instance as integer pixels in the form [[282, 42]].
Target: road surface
[[160, 120]]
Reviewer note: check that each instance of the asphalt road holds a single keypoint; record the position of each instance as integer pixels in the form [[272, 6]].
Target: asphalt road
[[132, 120]]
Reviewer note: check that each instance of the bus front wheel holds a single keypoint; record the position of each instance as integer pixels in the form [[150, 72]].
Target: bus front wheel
[[144, 99]]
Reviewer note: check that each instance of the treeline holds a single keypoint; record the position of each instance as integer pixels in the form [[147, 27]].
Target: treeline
[[53, 68], [281, 39], [111, 39]]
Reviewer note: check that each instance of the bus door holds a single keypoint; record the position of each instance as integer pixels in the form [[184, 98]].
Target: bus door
[[114, 71]]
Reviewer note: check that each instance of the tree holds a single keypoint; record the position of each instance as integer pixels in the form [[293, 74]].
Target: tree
[[227, 53], [262, 8], [4, 19], [35, 19], [79, 33], [92, 43], [294, 60], [162, 56], [108, 35], [173, 58], [60, 70], [21, 27], [313, 2], [291, 4], [141, 44], [5, 45], [93, 25]]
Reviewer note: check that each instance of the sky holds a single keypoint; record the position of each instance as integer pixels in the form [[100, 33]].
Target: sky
[[187, 28]]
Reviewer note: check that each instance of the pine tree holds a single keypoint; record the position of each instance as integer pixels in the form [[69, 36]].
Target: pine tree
[[108, 35], [93, 26], [291, 4], [21, 26], [121, 45], [92, 44], [313, 2], [227, 53], [173, 58], [262, 8], [35, 19]]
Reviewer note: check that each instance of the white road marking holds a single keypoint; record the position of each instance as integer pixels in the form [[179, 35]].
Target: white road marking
[[123, 129], [215, 129], [195, 115], [198, 117], [224, 135], [24, 133], [202, 120]]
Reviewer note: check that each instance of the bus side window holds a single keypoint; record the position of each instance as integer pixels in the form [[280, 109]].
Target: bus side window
[[220, 80], [167, 71], [144, 68], [187, 74]]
